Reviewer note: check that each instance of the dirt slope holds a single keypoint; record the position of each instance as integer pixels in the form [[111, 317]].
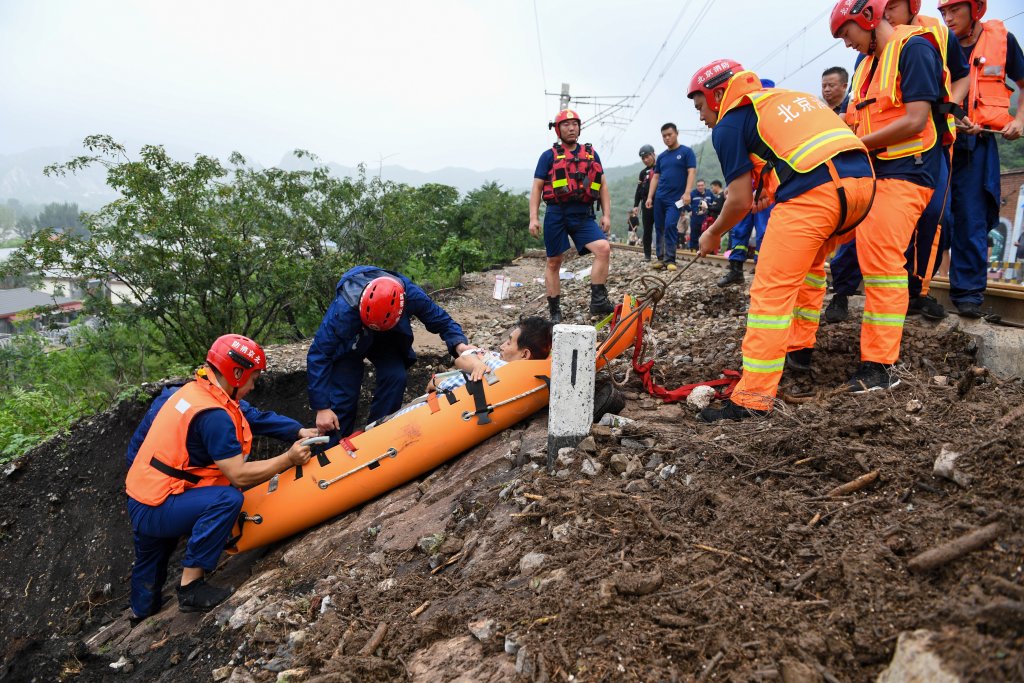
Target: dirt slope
[[669, 550]]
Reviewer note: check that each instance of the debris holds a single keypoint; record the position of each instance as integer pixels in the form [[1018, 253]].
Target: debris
[[914, 660], [482, 629], [638, 486], [420, 610], [955, 549], [591, 467], [618, 463], [375, 640], [511, 643], [633, 583], [853, 486], [914, 406], [531, 563], [945, 467]]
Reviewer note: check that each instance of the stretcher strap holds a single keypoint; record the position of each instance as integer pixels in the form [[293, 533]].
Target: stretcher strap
[[432, 402], [163, 467], [476, 390], [723, 387]]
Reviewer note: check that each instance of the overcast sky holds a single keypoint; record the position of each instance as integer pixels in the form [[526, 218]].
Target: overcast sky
[[419, 84]]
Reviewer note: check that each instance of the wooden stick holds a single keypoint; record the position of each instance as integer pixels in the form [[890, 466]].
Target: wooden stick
[[420, 610], [665, 533], [1001, 585], [375, 640], [855, 485], [955, 549], [533, 496], [719, 551], [710, 666]]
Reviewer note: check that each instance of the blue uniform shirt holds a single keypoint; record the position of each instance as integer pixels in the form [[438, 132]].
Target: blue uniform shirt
[[736, 134], [672, 167], [211, 435], [342, 333], [695, 197]]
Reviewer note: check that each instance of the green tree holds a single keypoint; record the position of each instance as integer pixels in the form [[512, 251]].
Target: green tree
[[62, 217]]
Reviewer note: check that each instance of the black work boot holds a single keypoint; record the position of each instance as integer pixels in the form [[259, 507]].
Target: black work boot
[[838, 309], [967, 309], [734, 276], [871, 376], [555, 310], [200, 596], [799, 359], [729, 411], [926, 306], [599, 304]]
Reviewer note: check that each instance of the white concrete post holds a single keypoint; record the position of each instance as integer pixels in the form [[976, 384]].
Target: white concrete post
[[571, 411]]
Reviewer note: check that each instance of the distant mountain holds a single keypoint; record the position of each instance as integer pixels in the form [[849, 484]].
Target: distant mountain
[[21, 177]]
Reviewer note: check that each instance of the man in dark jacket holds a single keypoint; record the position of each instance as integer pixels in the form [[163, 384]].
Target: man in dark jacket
[[643, 185], [370, 318]]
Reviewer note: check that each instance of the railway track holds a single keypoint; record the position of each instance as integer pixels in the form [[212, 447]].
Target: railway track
[[1002, 299]]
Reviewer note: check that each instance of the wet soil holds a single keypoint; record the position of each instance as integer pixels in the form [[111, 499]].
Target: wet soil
[[718, 554]]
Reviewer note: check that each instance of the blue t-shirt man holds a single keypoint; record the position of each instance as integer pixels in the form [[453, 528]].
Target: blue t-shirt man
[[671, 182]]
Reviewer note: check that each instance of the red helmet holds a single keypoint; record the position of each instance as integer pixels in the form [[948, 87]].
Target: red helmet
[[853, 10], [563, 116], [381, 303], [236, 357], [711, 77], [915, 7], [977, 8]]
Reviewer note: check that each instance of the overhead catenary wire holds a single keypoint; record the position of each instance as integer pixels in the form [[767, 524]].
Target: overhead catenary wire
[[540, 49]]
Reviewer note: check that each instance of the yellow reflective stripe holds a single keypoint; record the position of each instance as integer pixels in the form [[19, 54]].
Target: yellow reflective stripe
[[884, 319], [739, 247], [560, 183], [595, 186], [812, 314], [916, 145], [818, 141], [769, 322], [886, 281], [758, 365], [816, 281]]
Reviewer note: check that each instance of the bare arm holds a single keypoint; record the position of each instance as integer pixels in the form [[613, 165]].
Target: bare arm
[[242, 473], [606, 209], [690, 175], [650, 193], [737, 205], [1013, 129], [536, 192]]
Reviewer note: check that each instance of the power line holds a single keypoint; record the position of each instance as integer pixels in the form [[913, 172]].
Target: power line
[[786, 43], [540, 49]]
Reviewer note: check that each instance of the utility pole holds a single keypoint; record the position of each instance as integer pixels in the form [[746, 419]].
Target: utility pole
[[563, 99]]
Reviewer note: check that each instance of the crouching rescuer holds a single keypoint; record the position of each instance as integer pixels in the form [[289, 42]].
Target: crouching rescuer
[[569, 178], [186, 462], [786, 147]]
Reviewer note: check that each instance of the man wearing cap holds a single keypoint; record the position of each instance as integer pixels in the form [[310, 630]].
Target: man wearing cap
[[370, 318], [569, 178], [643, 185]]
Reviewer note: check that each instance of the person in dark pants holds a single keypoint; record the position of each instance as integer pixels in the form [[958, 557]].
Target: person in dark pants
[[700, 199], [671, 183], [643, 185], [186, 462], [370, 318]]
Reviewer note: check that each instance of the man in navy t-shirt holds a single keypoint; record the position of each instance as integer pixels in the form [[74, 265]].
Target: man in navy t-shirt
[[671, 183]]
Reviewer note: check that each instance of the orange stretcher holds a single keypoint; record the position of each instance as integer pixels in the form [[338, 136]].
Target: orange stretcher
[[414, 442]]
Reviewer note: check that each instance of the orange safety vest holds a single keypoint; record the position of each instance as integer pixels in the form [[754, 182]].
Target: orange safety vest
[[799, 131], [573, 177], [988, 100], [161, 467], [878, 103]]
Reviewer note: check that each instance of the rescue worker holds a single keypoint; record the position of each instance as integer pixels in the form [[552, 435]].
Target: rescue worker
[[700, 198], [931, 235], [994, 55], [569, 178], [640, 196], [753, 224], [898, 109], [370, 318], [789, 148], [186, 463], [671, 183]]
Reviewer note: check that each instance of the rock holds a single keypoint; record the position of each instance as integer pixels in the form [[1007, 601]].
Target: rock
[[241, 675], [430, 544], [525, 663], [634, 468], [553, 576], [914, 406], [291, 675], [795, 671], [566, 456], [610, 420], [482, 629], [667, 471], [530, 563], [511, 643], [619, 463], [653, 462], [600, 431], [915, 662], [638, 444], [941, 380], [387, 584], [945, 467], [588, 445], [638, 486], [700, 397], [591, 467], [222, 673], [636, 583], [561, 532]]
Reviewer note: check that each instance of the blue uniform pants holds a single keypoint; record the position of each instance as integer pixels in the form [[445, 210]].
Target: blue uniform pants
[[696, 222], [205, 515], [846, 276], [739, 236], [390, 357], [666, 229], [975, 191]]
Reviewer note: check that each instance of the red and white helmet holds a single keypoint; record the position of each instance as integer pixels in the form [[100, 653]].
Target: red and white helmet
[[236, 357], [381, 303], [915, 7], [853, 10], [977, 8], [711, 77]]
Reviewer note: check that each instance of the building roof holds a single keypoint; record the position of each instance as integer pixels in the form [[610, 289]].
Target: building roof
[[14, 301]]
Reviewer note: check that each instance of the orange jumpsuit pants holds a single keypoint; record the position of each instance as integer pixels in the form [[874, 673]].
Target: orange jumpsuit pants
[[786, 297], [882, 241]]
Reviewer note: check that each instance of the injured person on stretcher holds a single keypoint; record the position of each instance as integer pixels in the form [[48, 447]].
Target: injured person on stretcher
[[530, 339]]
